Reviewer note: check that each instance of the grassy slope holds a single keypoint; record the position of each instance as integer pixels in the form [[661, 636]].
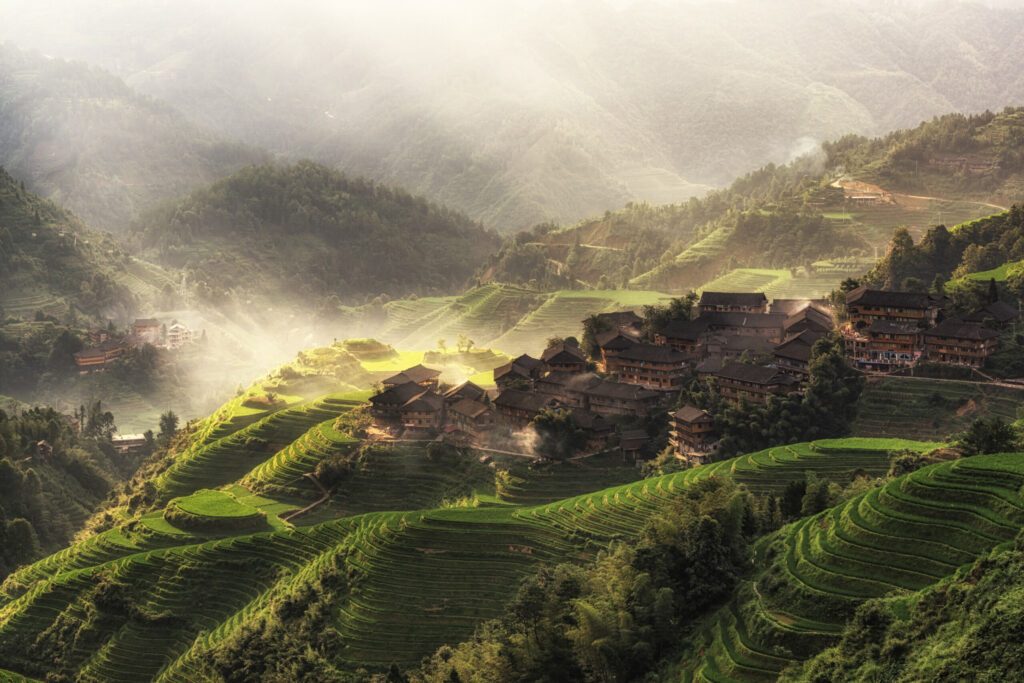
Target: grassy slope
[[420, 578], [891, 541]]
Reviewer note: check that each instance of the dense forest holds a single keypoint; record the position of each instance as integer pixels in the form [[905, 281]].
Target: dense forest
[[53, 474], [305, 233]]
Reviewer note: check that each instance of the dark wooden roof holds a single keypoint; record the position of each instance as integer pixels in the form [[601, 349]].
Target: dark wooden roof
[[999, 311], [633, 439], [863, 296], [570, 380], [465, 390], [398, 395], [755, 374], [427, 402], [618, 319], [741, 319], [649, 353], [417, 373], [591, 422], [614, 340], [622, 391], [470, 408], [690, 413], [524, 400], [690, 330], [749, 299], [564, 353], [954, 328]]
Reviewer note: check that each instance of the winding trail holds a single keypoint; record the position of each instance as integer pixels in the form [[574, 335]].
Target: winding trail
[[326, 495]]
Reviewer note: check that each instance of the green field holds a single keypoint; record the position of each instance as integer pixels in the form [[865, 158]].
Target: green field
[[998, 274], [930, 409], [890, 541], [420, 577]]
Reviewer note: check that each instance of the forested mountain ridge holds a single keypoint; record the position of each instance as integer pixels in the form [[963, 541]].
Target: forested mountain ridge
[[552, 111], [842, 200], [306, 234], [80, 136]]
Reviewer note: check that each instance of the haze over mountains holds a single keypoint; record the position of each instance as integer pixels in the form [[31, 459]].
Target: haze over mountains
[[545, 111]]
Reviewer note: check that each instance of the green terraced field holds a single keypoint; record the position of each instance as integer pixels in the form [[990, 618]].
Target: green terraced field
[[890, 541], [930, 409], [419, 578]]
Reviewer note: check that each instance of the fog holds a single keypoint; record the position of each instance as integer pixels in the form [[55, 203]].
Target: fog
[[515, 113]]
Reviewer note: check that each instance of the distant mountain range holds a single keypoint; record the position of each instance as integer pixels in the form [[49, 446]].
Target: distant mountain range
[[555, 110]]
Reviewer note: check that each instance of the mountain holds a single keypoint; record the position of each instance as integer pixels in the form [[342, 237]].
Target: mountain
[[51, 263], [80, 136], [302, 234], [547, 111]]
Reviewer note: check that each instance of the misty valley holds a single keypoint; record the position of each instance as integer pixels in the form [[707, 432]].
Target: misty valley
[[553, 341]]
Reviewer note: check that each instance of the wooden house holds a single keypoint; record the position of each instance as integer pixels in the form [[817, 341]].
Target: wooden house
[[770, 326], [517, 408], [610, 344], [418, 374], [884, 345], [998, 315], [685, 336], [425, 412], [632, 443], [793, 356], [466, 390], [692, 433], [387, 405], [569, 388], [865, 305], [659, 368], [754, 383], [471, 417], [564, 357], [958, 342], [99, 357], [520, 371], [616, 398], [740, 302]]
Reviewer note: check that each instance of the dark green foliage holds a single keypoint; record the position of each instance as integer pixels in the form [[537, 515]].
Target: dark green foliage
[[614, 620], [966, 628], [313, 233], [992, 435], [558, 436], [656, 318], [827, 408]]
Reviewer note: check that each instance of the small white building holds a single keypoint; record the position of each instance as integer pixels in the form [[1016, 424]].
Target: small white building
[[178, 335]]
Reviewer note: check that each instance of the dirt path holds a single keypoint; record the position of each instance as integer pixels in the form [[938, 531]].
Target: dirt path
[[326, 495], [946, 199]]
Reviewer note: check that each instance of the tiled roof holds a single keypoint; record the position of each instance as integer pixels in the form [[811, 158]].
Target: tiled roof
[[622, 391], [690, 330], [652, 354], [563, 353], [523, 400], [470, 408], [690, 413], [958, 329], [750, 299], [862, 296], [755, 374], [741, 319], [417, 373], [398, 395], [1000, 312], [465, 390]]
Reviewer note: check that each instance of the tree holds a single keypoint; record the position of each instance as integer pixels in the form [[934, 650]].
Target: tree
[[168, 427], [988, 436], [558, 437]]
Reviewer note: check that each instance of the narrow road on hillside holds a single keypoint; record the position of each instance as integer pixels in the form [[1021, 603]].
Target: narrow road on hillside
[[946, 199], [326, 495]]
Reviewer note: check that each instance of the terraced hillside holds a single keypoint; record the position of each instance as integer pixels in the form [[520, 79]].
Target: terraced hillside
[[930, 409], [416, 578], [890, 541]]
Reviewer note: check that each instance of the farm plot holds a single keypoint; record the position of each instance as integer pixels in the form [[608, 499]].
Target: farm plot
[[894, 540]]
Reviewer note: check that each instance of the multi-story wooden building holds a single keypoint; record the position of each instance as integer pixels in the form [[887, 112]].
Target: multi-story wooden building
[[610, 344], [615, 398], [960, 343], [99, 357], [998, 314], [742, 302], [564, 357], [464, 391], [659, 368], [770, 326], [387, 405], [517, 408], [793, 356], [864, 306], [569, 388], [417, 374], [884, 345], [425, 412], [685, 336], [471, 417], [692, 434], [518, 372], [754, 383]]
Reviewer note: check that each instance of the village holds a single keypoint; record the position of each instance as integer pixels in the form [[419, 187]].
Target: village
[[751, 349], [108, 345]]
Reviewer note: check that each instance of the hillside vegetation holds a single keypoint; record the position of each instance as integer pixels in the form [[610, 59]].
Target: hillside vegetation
[[305, 234], [78, 135]]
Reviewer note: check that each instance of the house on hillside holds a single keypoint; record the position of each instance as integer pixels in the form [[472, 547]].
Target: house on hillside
[[659, 368], [146, 331], [685, 336], [739, 302], [864, 306], [692, 434], [466, 390], [99, 357], [884, 345], [472, 418], [387, 405], [998, 315], [519, 371], [565, 357], [128, 443], [423, 414], [734, 347], [793, 356], [632, 442], [610, 399], [958, 342], [569, 388], [595, 427], [417, 374], [808, 318], [771, 326], [610, 344], [517, 408], [754, 383], [178, 335]]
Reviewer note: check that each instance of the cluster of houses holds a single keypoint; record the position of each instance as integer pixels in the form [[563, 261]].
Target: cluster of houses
[[106, 347], [750, 347], [887, 330]]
